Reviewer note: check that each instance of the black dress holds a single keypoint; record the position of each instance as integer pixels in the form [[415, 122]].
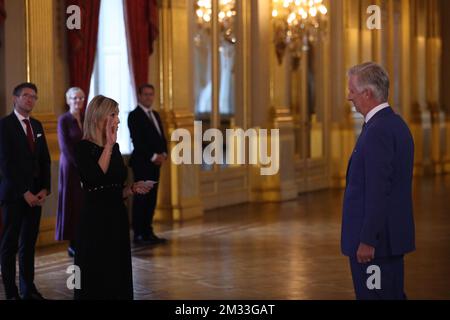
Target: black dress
[[103, 245]]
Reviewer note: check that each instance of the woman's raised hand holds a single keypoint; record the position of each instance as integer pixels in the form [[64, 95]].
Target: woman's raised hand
[[111, 130]]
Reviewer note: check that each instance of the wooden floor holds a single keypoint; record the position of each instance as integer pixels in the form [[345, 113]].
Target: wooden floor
[[271, 251]]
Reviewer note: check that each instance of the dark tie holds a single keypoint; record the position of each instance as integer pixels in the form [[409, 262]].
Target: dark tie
[[29, 134], [155, 122]]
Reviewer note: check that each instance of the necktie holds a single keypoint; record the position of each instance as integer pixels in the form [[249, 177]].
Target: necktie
[[155, 122], [30, 137]]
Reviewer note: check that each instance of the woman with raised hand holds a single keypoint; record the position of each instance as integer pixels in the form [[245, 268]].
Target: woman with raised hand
[[103, 247]]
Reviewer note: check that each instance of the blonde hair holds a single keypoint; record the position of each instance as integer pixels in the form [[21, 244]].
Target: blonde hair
[[98, 109]]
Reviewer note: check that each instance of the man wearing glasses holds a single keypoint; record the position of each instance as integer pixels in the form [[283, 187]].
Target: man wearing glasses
[[24, 187]]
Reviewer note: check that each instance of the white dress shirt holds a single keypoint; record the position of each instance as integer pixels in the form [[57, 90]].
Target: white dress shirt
[[149, 113], [375, 110], [24, 126]]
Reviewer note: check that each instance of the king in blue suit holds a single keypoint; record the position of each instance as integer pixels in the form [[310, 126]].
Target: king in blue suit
[[377, 222]]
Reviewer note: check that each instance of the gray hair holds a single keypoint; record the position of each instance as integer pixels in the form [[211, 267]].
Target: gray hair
[[373, 76], [72, 91]]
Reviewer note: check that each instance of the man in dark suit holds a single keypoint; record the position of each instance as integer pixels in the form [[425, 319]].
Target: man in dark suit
[[25, 184], [378, 224], [150, 152]]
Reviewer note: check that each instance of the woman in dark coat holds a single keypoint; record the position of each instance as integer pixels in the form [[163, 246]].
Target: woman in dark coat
[[70, 132], [103, 244]]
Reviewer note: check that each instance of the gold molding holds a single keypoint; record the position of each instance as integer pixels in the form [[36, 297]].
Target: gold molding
[[40, 65], [179, 197], [166, 55], [27, 39], [40, 51], [215, 64], [281, 114], [246, 72], [405, 76]]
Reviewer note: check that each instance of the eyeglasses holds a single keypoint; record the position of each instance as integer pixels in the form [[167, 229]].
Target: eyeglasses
[[77, 98], [29, 96]]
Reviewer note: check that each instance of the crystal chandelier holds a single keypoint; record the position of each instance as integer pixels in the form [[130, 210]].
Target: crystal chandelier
[[227, 12], [297, 23]]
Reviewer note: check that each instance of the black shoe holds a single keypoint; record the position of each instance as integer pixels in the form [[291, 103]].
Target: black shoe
[[13, 297], [71, 252], [157, 240], [148, 240], [141, 240], [33, 296]]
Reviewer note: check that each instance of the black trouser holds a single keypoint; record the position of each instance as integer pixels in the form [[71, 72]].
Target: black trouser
[[143, 212], [144, 205], [20, 232]]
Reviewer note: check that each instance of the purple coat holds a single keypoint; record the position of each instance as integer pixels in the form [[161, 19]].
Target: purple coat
[[69, 186]]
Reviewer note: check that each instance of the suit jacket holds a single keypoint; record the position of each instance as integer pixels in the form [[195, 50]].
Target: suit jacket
[[146, 141], [21, 169], [378, 207]]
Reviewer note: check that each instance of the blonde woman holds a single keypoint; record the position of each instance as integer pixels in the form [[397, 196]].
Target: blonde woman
[[103, 247]]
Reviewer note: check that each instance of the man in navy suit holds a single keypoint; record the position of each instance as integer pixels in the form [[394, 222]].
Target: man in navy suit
[[150, 152], [25, 184], [377, 222]]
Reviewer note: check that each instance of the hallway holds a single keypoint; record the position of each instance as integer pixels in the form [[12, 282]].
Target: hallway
[[271, 251]]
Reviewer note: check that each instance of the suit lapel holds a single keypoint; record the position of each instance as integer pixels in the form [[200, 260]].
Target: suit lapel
[[366, 126], [153, 122], [158, 120], [144, 115], [355, 149], [36, 131], [150, 120], [348, 168]]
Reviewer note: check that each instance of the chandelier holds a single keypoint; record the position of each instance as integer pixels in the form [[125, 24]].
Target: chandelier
[[297, 23], [227, 12]]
